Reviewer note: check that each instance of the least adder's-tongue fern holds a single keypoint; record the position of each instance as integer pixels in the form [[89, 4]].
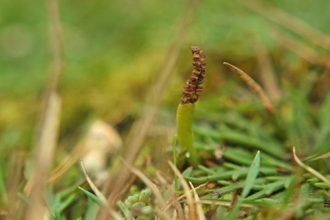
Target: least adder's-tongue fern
[[185, 109]]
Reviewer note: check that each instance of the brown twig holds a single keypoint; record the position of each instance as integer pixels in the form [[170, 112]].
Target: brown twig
[[189, 92], [254, 86]]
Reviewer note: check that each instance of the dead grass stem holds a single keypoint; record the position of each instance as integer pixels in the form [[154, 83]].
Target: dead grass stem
[[254, 86]]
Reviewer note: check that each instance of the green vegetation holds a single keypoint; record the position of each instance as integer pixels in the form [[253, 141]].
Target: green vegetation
[[184, 131], [113, 53]]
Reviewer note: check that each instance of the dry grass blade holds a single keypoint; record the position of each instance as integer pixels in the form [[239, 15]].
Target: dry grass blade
[[140, 129], [98, 193], [303, 51], [46, 146], [176, 204], [254, 86], [200, 212], [48, 127], [309, 169], [292, 23], [92, 185], [187, 192], [66, 164], [266, 68], [159, 198], [323, 156], [93, 152], [184, 195]]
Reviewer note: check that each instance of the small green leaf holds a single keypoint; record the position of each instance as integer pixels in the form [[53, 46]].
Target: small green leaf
[[252, 175], [91, 196]]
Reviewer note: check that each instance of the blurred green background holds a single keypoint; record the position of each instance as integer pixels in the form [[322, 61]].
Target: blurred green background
[[113, 51]]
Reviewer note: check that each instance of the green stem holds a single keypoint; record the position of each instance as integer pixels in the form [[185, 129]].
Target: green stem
[[184, 118], [176, 185]]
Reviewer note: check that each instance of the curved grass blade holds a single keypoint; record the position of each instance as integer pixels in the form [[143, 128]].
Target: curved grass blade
[[252, 175]]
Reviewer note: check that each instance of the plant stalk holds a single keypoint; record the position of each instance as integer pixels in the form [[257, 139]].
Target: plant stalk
[[184, 118]]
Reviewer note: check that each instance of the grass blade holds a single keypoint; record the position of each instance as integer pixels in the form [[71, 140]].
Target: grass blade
[[252, 175]]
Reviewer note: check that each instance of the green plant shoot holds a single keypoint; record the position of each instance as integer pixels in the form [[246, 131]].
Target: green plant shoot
[[184, 118]]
